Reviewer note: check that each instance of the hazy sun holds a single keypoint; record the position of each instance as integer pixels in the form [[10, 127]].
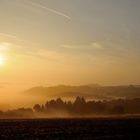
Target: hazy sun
[[2, 60]]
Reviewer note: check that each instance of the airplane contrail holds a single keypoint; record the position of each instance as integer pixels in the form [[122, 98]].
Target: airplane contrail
[[51, 10]]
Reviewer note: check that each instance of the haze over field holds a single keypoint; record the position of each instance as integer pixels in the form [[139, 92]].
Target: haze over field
[[45, 43]]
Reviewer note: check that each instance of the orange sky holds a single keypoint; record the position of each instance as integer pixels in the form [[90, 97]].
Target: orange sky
[[68, 42]]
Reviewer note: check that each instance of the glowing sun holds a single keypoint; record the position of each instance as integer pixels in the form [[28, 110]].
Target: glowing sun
[[2, 60]]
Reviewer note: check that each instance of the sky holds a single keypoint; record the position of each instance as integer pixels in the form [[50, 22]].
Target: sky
[[75, 42]]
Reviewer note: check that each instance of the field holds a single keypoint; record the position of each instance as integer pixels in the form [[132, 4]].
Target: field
[[69, 129]]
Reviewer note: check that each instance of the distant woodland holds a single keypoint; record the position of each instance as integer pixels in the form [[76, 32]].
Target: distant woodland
[[91, 91], [78, 108]]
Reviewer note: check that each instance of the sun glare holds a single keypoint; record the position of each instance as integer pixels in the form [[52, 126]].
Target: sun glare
[[2, 60]]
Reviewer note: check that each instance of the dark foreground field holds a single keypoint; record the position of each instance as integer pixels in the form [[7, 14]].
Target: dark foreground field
[[69, 129]]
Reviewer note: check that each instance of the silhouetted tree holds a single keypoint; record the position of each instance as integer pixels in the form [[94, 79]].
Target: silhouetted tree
[[78, 108], [37, 108], [79, 105]]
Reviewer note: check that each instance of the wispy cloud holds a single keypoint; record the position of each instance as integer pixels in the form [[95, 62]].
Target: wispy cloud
[[17, 48], [51, 10], [15, 38], [71, 46], [37, 52], [4, 46], [8, 35], [93, 45], [96, 45]]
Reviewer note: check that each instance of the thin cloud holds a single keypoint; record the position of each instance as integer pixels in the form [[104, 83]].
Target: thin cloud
[[96, 45], [13, 37], [4, 46], [7, 35], [51, 10], [37, 52], [71, 46]]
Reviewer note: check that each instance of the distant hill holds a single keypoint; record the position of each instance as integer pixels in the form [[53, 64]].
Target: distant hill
[[95, 92]]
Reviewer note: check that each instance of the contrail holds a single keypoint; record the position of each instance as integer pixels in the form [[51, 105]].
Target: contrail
[[51, 10]]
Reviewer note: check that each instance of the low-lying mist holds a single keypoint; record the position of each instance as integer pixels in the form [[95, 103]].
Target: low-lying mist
[[31, 96], [79, 107]]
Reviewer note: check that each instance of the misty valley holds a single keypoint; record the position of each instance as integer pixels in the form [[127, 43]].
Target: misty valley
[[79, 108], [69, 69]]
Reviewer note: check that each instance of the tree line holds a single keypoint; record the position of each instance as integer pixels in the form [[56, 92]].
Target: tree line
[[78, 108]]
